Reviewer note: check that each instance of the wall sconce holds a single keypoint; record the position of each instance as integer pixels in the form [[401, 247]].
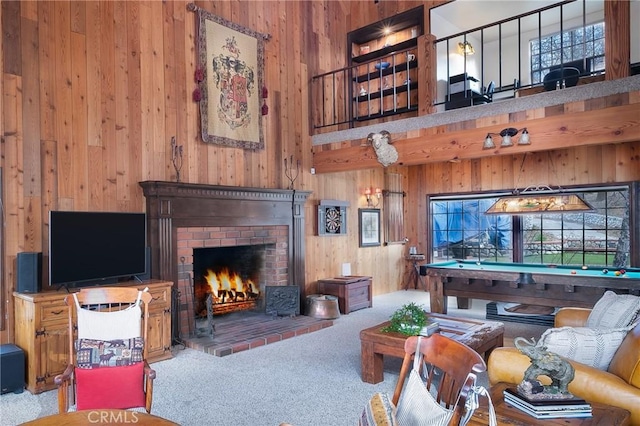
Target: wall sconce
[[371, 197], [507, 138], [465, 49]]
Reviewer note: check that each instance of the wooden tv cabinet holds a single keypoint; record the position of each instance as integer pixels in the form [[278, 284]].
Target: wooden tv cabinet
[[42, 323]]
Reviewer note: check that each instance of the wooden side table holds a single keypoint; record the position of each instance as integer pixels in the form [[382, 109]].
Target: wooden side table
[[414, 278], [353, 292], [507, 415]]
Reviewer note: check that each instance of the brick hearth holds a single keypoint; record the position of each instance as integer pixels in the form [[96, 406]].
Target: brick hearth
[[235, 333]]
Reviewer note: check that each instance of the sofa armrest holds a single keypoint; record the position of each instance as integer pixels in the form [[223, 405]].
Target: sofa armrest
[[571, 317], [508, 365]]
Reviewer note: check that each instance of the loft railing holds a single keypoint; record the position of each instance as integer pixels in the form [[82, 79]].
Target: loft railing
[[502, 54], [366, 90]]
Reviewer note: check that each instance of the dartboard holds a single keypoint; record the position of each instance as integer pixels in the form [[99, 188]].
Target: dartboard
[[333, 220]]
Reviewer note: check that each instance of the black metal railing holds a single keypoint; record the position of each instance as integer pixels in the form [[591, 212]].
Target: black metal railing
[[503, 55], [344, 97], [384, 86]]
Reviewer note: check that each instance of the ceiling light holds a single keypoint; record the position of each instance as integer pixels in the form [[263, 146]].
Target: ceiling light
[[465, 48]]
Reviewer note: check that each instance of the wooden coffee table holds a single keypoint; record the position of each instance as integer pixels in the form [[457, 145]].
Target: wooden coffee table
[[482, 336], [507, 415]]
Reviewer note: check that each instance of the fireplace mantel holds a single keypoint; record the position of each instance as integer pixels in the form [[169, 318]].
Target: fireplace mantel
[[171, 205]]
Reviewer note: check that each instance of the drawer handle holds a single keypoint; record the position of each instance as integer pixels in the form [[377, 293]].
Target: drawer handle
[[57, 312], [156, 298]]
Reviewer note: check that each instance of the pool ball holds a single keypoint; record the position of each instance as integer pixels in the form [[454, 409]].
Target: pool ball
[[584, 266], [605, 271], [477, 263], [622, 271], [573, 272], [617, 273], [460, 265]]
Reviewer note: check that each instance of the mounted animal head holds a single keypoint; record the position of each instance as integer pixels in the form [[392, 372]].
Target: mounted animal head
[[381, 143]]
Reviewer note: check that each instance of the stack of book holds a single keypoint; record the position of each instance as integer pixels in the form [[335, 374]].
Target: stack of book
[[548, 408]]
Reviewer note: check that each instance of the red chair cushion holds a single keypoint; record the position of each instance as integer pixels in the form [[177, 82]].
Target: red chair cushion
[[113, 387]]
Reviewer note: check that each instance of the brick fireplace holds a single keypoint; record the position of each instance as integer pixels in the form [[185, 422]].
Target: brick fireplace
[[184, 216], [269, 243]]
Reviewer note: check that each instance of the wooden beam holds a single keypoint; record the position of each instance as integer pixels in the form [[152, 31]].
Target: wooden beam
[[580, 128], [617, 36]]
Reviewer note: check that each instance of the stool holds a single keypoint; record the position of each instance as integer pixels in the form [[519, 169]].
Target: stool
[[322, 307], [12, 367]]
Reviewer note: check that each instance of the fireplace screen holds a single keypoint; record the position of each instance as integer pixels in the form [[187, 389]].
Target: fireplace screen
[[230, 276]]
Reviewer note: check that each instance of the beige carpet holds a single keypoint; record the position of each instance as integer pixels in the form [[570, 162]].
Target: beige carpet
[[311, 379]]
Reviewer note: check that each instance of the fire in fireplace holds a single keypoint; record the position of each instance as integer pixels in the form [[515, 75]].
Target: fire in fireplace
[[230, 277]]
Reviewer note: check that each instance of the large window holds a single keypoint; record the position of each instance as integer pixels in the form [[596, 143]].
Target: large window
[[601, 237], [582, 48]]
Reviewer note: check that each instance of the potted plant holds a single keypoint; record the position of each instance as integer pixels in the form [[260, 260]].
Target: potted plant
[[408, 320]]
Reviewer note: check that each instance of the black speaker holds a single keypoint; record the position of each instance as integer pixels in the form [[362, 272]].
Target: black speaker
[[147, 265], [29, 272], [12, 366]]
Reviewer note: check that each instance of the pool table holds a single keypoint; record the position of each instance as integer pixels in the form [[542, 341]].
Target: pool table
[[545, 285]]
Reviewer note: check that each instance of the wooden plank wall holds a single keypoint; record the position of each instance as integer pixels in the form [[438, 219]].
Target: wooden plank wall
[[93, 91]]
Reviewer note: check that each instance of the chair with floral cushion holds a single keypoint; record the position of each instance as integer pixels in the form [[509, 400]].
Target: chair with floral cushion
[[107, 351]]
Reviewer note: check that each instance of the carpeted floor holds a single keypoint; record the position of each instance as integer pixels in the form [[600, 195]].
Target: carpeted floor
[[311, 379]]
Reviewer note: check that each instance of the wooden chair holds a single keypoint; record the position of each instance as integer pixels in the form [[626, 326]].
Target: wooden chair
[[449, 364], [108, 302]]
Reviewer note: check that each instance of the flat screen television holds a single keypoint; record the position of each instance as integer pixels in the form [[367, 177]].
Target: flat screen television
[[92, 248]]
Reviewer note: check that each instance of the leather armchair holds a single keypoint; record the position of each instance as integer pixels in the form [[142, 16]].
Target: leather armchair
[[619, 386]]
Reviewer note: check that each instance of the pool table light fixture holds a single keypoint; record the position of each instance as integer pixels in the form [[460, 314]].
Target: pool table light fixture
[[539, 200]]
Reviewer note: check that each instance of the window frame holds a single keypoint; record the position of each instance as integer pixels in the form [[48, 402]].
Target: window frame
[[592, 63], [517, 235]]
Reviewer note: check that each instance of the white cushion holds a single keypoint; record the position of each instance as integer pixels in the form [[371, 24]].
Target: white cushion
[[614, 311], [124, 324], [590, 346]]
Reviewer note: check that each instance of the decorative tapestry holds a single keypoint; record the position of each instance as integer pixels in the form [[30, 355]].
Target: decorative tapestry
[[230, 61]]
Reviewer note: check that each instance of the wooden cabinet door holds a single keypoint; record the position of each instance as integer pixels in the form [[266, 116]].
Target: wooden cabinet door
[[52, 348], [158, 344], [159, 332]]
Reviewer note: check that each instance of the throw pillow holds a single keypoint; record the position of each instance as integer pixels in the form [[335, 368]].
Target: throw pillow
[[93, 353], [379, 411], [590, 346], [614, 311], [117, 387]]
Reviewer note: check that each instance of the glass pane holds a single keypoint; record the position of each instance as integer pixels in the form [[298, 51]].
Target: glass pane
[[533, 48], [577, 52], [535, 62], [578, 35], [598, 31], [535, 77], [598, 63], [598, 46]]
